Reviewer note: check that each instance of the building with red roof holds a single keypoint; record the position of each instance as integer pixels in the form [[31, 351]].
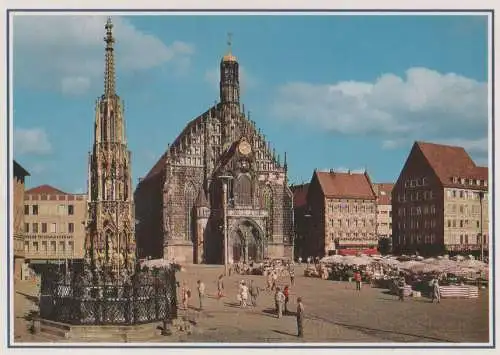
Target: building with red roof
[[54, 226], [440, 202], [341, 213]]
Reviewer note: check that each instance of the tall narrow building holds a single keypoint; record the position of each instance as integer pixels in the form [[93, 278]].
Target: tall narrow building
[[110, 240]]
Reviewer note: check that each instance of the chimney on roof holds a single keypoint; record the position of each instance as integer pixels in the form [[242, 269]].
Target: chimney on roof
[[332, 171], [349, 172], [140, 179]]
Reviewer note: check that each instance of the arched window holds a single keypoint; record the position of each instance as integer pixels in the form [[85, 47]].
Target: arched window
[[268, 204], [189, 199], [243, 191], [112, 126], [267, 199], [287, 215]]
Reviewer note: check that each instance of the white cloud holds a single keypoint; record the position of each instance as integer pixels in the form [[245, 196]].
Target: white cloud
[[31, 141], [423, 105], [67, 52], [247, 81]]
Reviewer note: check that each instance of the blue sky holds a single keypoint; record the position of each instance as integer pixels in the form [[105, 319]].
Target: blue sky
[[342, 92]]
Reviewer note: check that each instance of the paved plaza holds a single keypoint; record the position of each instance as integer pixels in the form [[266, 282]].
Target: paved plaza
[[335, 312]]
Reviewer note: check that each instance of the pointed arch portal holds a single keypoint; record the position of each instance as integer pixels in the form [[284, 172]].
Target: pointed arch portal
[[246, 242]]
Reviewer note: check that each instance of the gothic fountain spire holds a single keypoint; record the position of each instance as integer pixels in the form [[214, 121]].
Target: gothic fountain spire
[[110, 240]]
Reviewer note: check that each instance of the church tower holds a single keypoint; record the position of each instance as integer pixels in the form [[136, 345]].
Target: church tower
[[229, 96], [110, 240]]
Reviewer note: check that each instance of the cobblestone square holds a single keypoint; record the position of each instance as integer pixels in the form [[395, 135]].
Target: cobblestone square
[[335, 312]]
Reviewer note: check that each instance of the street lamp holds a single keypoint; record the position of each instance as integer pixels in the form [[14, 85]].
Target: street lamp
[[307, 216], [225, 179], [481, 196]]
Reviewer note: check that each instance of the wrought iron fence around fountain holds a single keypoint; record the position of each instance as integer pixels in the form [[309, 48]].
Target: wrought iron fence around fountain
[[148, 296]]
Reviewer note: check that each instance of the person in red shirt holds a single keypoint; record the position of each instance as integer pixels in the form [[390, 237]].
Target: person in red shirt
[[357, 278]]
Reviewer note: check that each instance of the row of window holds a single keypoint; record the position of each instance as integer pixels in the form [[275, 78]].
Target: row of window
[[417, 211], [463, 223], [342, 235], [52, 228], [385, 212], [422, 181], [191, 161], [351, 207], [417, 239], [49, 247], [463, 194], [471, 182], [465, 210], [415, 224], [62, 210], [466, 239], [416, 196], [351, 222]]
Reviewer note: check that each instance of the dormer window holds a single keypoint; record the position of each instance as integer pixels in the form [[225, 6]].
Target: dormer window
[[485, 183], [471, 182], [462, 181], [477, 183], [455, 180]]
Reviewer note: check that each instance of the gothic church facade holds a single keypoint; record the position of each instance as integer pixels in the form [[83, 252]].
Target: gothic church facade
[[180, 205]]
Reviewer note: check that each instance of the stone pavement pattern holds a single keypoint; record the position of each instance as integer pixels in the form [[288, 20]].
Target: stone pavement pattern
[[335, 312]]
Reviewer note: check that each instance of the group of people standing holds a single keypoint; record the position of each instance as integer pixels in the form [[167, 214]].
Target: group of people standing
[[250, 292]]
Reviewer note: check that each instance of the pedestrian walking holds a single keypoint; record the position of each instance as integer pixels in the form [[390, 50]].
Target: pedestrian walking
[[401, 288], [244, 294], [201, 293], [254, 293], [300, 260], [436, 293], [292, 276], [280, 300], [220, 287], [186, 295], [286, 293], [269, 281], [357, 278], [300, 318], [274, 280]]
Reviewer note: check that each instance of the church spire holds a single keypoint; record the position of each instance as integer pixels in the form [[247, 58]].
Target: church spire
[[109, 73]]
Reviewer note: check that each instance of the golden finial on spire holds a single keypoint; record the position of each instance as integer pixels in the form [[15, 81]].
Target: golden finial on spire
[[229, 57]]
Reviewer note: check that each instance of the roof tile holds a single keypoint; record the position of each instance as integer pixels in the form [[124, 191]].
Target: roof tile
[[45, 190], [299, 195], [451, 161], [346, 185]]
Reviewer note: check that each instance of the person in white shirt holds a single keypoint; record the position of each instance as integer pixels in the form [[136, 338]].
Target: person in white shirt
[[201, 293], [243, 294]]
